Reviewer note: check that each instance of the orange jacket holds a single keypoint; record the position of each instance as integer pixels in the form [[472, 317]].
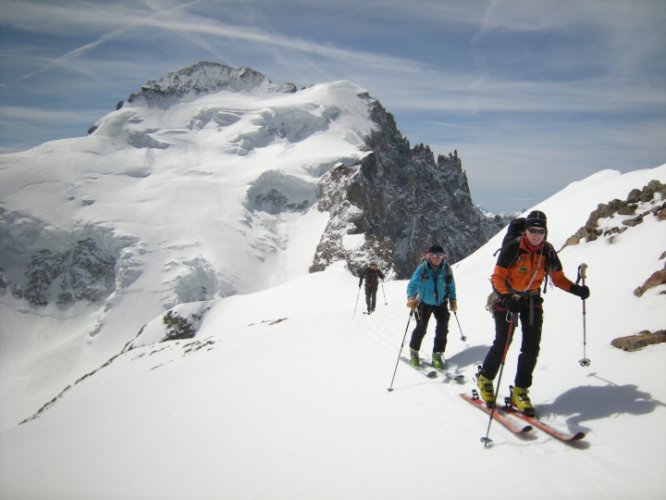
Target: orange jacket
[[519, 270]]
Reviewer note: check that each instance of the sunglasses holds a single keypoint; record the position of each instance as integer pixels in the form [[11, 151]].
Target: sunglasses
[[536, 230], [437, 255]]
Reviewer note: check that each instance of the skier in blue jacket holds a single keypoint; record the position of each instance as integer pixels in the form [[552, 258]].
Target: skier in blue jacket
[[428, 291]]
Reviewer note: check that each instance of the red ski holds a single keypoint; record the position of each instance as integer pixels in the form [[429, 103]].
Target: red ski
[[498, 415], [567, 437]]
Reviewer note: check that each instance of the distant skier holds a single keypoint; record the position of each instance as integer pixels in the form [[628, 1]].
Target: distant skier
[[521, 267], [371, 274], [428, 291]]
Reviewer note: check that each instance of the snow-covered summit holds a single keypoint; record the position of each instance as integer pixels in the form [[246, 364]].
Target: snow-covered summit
[[160, 206], [205, 77]]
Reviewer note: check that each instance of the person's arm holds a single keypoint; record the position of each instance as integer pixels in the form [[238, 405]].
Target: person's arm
[[361, 276]]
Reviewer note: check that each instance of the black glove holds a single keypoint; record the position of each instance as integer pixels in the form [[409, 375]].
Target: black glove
[[582, 291], [512, 303]]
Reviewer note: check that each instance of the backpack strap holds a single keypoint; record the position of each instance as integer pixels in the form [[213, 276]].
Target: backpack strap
[[552, 263], [449, 274], [424, 270], [445, 269]]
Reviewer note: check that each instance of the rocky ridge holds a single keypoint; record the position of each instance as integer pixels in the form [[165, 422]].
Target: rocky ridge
[[401, 199], [614, 218], [206, 77]]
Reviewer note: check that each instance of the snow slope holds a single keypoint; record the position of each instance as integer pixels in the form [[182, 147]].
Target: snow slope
[[170, 193], [282, 393]]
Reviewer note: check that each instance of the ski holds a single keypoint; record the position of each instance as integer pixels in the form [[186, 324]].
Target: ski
[[566, 437], [449, 375], [431, 372], [423, 370], [498, 415]]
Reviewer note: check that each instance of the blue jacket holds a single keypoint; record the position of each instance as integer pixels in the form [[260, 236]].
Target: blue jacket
[[430, 290]]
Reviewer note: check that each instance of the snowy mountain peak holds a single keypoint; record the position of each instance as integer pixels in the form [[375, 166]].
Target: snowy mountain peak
[[205, 77]]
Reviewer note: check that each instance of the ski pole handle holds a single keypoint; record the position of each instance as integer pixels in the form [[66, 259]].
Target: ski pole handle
[[582, 273]]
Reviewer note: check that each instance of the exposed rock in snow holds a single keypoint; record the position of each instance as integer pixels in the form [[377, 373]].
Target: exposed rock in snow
[[206, 77], [45, 265], [401, 200]]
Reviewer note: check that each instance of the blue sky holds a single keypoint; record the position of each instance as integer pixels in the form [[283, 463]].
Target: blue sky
[[533, 94]]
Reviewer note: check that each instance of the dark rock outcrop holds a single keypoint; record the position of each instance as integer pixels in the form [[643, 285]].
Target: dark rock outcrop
[[44, 265], [640, 340], [639, 204], [402, 200]]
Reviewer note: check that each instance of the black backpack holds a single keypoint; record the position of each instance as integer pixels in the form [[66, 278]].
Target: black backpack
[[513, 233]]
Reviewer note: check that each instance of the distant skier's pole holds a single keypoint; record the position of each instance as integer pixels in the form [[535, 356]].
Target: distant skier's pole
[[382, 283], [356, 305], [400, 352], [462, 337], [582, 274], [509, 334]]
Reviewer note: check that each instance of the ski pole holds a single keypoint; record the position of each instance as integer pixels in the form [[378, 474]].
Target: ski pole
[[411, 313], [382, 283], [582, 274], [356, 305], [509, 334], [462, 337]]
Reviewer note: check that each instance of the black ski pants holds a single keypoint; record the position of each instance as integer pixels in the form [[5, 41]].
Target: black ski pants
[[371, 298], [529, 347], [442, 316]]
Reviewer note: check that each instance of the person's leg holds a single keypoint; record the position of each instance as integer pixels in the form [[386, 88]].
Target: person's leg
[[424, 312], [493, 360], [442, 329], [529, 349]]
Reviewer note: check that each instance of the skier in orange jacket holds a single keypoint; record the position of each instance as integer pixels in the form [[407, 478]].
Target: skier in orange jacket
[[521, 268]]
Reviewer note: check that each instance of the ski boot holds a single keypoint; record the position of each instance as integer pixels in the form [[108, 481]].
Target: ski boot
[[486, 389], [414, 358], [437, 361], [521, 400]]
